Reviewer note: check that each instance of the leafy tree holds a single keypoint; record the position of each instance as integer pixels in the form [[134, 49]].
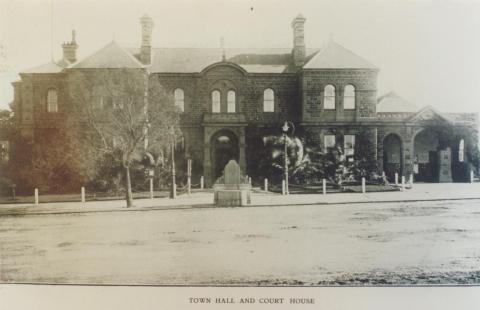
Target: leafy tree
[[125, 114]]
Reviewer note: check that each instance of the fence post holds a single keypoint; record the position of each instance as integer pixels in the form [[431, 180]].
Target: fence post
[[201, 182], [471, 176], [396, 178], [363, 185], [283, 187], [189, 176], [265, 184], [403, 182], [324, 186], [36, 196], [151, 188], [83, 194]]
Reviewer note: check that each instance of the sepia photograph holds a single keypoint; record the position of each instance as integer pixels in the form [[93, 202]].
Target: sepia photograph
[[240, 144]]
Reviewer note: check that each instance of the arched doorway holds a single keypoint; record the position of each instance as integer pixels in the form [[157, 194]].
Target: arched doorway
[[224, 148], [425, 156], [392, 156]]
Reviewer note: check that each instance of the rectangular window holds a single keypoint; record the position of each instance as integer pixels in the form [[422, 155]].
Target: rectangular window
[[329, 141], [349, 145]]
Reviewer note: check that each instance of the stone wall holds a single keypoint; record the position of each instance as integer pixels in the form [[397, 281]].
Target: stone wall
[[313, 83]]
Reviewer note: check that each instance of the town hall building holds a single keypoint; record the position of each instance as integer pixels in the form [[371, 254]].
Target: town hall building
[[229, 97]]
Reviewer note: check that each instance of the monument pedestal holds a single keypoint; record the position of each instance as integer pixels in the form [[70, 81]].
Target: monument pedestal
[[230, 190]]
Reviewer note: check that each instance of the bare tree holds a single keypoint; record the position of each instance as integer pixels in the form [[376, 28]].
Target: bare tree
[[124, 112]]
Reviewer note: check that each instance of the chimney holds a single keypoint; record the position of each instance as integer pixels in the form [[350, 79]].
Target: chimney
[[298, 40], [70, 49], [146, 48]]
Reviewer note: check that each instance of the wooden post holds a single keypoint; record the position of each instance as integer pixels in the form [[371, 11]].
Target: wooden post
[[363, 186], [201, 182], [151, 188], [283, 187], [265, 185], [36, 196], [324, 186], [396, 178], [471, 176], [83, 194], [189, 176]]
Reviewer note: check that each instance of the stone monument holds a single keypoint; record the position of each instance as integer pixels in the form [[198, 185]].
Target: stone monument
[[231, 189], [445, 165]]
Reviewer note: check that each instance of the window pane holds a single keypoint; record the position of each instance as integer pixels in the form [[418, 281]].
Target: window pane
[[329, 97], [349, 97], [329, 141], [349, 144], [268, 100], [461, 151], [231, 102], [349, 90], [329, 90], [179, 99], [329, 103], [52, 100], [216, 101]]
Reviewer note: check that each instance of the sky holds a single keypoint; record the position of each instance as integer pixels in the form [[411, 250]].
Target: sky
[[427, 50]]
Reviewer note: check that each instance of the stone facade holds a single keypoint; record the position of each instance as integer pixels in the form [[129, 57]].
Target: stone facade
[[298, 78]]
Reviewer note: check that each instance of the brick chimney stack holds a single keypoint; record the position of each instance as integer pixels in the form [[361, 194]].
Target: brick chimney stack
[[70, 49], [298, 40], [146, 48]]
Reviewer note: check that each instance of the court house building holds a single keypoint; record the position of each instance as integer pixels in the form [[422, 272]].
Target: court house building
[[232, 97]]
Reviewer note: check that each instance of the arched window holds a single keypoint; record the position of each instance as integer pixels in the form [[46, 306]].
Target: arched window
[[231, 101], [329, 97], [268, 100], [215, 101], [179, 99], [349, 97], [461, 151], [52, 101]]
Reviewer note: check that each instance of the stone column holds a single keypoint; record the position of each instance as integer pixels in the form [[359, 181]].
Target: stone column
[[241, 140]]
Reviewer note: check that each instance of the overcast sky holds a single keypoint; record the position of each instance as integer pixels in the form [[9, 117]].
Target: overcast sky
[[427, 51]]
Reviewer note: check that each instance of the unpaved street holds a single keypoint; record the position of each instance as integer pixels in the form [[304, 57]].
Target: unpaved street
[[357, 244]]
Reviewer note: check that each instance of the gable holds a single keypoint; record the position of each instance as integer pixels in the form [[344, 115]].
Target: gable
[[428, 114]]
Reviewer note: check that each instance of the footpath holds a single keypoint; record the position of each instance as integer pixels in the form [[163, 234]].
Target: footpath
[[204, 199]]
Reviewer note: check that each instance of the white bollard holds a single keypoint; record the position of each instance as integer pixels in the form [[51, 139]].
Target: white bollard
[[324, 186], [201, 182], [471, 176], [189, 185], [83, 194], [363, 186], [403, 182], [151, 188], [283, 187], [265, 185], [410, 180], [396, 178], [36, 196], [250, 181]]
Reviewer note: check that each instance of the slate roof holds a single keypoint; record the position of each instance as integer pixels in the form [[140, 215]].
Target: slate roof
[[110, 56], [50, 67], [335, 56], [194, 60], [392, 102]]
